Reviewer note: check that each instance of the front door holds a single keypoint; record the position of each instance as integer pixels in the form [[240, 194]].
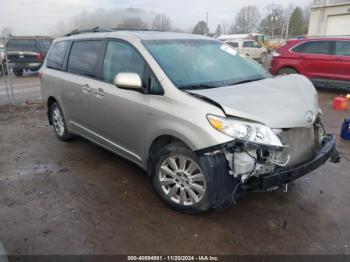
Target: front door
[[316, 59], [119, 114]]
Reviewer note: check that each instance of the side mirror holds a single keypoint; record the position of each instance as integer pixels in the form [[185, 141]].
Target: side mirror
[[130, 81]]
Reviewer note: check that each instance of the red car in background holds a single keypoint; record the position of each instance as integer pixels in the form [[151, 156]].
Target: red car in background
[[325, 61]]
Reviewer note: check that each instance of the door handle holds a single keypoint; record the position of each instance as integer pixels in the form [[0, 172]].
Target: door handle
[[99, 93], [86, 89]]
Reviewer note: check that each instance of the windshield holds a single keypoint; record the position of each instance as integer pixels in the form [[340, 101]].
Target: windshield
[[21, 45], [203, 63]]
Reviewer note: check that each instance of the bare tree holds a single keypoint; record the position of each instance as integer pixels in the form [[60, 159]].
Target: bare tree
[[247, 19], [232, 29], [6, 32], [275, 20], [225, 27], [161, 22], [177, 30], [133, 23], [201, 28], [113, 18], [218, 31]]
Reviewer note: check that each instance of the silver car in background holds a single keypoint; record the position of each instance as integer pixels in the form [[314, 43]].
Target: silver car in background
[[207, 123]]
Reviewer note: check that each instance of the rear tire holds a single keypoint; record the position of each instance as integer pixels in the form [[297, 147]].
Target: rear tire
[[180, 180], [59, 123], [18, 72], [287, 71]]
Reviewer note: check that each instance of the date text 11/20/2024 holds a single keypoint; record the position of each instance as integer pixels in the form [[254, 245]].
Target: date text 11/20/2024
[[173, 258]]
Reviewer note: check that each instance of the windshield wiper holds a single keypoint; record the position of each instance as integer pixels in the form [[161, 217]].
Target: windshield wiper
[[197, 86], [247, 81]]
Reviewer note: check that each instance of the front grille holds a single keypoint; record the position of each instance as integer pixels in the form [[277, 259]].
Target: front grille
[[300, 145]]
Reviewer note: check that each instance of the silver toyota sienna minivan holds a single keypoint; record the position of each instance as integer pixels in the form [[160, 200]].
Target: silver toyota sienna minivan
[[207, 123]]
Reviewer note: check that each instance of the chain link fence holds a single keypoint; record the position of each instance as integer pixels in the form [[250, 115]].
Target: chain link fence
[[21, 58]]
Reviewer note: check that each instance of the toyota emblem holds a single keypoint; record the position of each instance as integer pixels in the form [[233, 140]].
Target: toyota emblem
[[309, 117]]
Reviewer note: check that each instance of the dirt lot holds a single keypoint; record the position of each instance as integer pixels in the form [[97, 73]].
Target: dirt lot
[[77, 198], [26, 87]]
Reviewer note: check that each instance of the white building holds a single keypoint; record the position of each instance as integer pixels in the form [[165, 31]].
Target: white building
[[330, 19]]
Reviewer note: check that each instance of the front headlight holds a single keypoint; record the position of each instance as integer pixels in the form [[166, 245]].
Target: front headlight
[[245, 130]]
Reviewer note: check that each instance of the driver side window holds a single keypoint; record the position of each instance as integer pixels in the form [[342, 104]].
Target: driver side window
[[121, 57]]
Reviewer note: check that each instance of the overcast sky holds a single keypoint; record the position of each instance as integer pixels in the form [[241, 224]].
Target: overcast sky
[[41, 17]]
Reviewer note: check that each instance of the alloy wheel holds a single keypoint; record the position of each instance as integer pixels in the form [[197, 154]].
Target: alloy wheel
[[58, 122], [182, 180]]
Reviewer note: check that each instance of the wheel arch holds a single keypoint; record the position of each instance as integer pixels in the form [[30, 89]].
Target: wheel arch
[[157, 143], [288, 66], [50, 101]]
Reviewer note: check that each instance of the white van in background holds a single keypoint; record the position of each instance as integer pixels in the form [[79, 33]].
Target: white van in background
[[246, 45]]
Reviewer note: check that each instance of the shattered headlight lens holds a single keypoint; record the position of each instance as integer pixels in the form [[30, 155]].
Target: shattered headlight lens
[[248, 131]]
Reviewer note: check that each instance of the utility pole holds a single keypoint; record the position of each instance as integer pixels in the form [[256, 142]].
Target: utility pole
[[207, 19], [287, 27], [207, 23], [273, 23]]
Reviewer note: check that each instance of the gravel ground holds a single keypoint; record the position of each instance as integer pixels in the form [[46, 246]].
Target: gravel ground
[[77, 198]]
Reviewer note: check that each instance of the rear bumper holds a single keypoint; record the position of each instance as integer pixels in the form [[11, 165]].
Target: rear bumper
[[287, 175]]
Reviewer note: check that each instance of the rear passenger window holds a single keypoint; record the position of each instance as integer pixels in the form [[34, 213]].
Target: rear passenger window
[[233, 44], [121, 57], [83, 57], [314, 47], [56, 55], [342, 48], [248, 44]]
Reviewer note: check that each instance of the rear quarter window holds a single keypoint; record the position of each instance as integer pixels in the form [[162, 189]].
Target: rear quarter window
[[233, 44], [248, 44], [56, 56]]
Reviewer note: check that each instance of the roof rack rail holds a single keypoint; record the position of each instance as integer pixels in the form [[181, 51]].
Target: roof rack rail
[[92, 30]]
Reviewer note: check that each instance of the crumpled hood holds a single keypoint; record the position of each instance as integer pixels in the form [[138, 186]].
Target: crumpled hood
[[278, 102]]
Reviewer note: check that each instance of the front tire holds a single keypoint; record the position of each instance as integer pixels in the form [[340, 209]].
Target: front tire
[[59, 124], [180, 180]]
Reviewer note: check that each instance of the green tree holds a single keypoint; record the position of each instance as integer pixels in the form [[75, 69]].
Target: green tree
[[201, 28], [297, 22]]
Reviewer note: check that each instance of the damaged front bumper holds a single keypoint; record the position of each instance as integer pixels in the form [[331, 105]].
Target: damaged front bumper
[[224, 188], [284, 176]]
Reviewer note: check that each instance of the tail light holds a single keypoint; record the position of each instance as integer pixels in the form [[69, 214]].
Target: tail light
[[40, 57]]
